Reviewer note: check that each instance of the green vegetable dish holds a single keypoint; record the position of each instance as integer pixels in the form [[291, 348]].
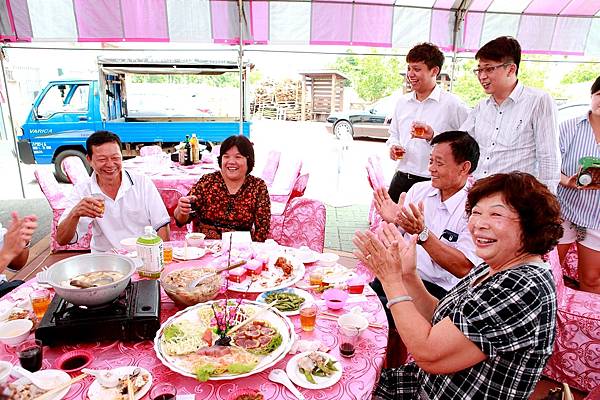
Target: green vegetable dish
[[285, 301], [315, 364]]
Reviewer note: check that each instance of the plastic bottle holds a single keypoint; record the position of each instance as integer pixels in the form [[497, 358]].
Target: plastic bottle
[[584, 179], [150, 251], [195, 149], [188, 151]]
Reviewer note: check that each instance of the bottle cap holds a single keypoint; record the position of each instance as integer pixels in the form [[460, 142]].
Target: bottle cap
[[585, 179]]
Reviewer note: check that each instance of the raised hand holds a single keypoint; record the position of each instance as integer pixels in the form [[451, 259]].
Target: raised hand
[[185, 205], [385, 206], [18, 234], [411, 218]]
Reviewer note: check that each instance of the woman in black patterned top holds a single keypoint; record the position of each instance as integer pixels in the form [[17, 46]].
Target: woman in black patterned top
[[491, 335], [230, 199]]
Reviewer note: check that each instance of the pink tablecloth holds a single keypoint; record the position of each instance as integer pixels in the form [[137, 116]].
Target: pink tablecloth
[[360, 372]]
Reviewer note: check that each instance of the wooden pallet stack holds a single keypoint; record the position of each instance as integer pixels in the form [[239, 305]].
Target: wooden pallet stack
[[280, 100]]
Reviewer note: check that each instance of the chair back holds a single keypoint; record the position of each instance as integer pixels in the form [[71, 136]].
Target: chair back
[[286, 175], [150, 150], [55, 194], [304, 224], [557, 273], [270, 169], [171, 197], [375, 172], [75, 169]]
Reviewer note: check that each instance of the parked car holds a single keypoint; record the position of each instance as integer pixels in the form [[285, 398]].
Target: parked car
[[374, 122]]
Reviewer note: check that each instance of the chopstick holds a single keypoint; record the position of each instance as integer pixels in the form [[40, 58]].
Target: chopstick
[[49, 394], [130, 394], [235, 328], [333, 317]]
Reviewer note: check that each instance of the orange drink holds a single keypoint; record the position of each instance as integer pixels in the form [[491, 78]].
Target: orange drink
[[315, 278], [167, 253], [40, 300], [419, 131], [308, 317]]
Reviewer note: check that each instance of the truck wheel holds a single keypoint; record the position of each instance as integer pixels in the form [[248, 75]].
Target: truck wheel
[[61, 176]]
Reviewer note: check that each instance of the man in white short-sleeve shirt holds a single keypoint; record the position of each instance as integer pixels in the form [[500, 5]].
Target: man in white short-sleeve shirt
[[130, 202], [516, 127], [435, 211], [418, 116]]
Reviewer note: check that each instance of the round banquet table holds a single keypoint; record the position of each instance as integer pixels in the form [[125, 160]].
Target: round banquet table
[[360, 374]]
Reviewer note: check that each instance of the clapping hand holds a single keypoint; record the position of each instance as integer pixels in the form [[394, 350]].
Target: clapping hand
[[411, 218], [18, 234], [385, 206]]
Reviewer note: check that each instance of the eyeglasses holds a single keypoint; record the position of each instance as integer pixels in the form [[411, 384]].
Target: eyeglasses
[[489, 70]]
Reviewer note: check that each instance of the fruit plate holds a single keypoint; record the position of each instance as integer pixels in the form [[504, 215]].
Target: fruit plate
[[200, 318], [271, 279]]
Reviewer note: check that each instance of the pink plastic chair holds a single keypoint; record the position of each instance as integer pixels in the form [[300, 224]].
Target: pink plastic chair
[[150, 150], [75, 170], [303, 224], [270, 169], [576, 356], [170, 197], [569, 265], [286, 175], [55, 194], [280, 202]]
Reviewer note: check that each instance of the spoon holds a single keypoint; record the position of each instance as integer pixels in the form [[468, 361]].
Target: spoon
[[279, 376], [44, 384], [105, 377], [202, 278]]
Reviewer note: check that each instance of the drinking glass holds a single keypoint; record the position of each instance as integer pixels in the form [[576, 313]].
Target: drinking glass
[[399, 152], [418, 129], [40, 300], [163, 391], [348, 340], [315, 278], [308, 316], [167, 253], [100, 197], [30, 354]]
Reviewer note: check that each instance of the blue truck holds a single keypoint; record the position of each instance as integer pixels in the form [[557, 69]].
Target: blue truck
[[66, 112]]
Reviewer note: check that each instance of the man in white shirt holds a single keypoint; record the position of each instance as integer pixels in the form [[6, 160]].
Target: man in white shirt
[[116, 203], [435, 211], [418, 114], [516, 127]]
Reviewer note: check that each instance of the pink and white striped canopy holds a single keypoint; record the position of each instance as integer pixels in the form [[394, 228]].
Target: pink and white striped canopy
[[542, 26]]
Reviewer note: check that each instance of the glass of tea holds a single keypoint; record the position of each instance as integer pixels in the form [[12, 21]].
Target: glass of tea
[[100, 198], [419, 129], [348, 340], [40, 300], [167, 253], [316, 278], [308, 316], [163, 391], [30, 354], [399, 152]]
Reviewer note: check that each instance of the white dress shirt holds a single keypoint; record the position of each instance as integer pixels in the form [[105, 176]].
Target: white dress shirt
[[136, 205], [521, 134], [442, 111], [440, 216]]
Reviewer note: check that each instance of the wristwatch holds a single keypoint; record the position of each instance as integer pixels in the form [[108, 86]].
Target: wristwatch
[[423, 236]]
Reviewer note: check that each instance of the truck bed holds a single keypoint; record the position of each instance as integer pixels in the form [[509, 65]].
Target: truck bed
[[159, 118]]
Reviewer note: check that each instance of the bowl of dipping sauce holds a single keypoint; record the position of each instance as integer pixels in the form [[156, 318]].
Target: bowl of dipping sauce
[[355, 285], [335, 298], [74, 360], [328, 259]]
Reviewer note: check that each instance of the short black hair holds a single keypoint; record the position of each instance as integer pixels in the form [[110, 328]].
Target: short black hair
[[464, 147], [427, 53], [244, 146], [503, 49], [98, 138], [596, 85]]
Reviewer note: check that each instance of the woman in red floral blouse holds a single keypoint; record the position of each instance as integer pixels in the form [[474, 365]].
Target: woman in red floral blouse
[[231, 199]]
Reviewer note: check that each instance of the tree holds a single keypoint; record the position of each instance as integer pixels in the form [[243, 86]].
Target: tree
[[582, 73], [373, 76]]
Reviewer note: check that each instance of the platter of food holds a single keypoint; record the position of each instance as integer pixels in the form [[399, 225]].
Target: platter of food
[[217, 341], [280, 272], [142, 381], [314, 370], [289, 300]]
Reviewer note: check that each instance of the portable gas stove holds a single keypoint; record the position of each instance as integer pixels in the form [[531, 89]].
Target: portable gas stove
[[134, 316]]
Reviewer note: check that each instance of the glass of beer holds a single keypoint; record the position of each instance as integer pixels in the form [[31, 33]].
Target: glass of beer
[[40, 300], [308, 316], [167, 253], [99, 197]]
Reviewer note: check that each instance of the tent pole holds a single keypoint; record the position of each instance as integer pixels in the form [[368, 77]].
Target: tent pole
[[241, 65], [459, 16], [10, 118]]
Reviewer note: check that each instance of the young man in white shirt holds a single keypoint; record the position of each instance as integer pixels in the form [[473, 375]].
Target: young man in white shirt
[[418, 114], [435, 211], [117, 204], [516, 127]]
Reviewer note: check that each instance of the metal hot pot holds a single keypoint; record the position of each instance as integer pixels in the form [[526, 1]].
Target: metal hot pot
[[69, 268]]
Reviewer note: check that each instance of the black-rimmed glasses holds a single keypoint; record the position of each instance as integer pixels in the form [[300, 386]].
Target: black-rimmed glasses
[[490, 69]]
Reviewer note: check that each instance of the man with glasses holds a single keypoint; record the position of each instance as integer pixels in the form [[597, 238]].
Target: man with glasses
[[418, 114], [516, 127]]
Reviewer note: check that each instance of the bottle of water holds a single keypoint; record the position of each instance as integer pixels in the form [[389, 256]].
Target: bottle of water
[[150, 251]]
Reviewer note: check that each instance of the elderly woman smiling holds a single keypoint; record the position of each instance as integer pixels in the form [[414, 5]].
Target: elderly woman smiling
[[491, 335], [230, 199]]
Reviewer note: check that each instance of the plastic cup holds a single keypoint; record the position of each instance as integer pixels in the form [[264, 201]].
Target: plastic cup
[[348, 341], [40, 300], [163, 391], [31, 354], [100, 197], [167, 253], [308, 317], [315, 278]]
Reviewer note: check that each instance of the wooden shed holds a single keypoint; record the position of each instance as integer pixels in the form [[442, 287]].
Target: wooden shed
[[324, 90]]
